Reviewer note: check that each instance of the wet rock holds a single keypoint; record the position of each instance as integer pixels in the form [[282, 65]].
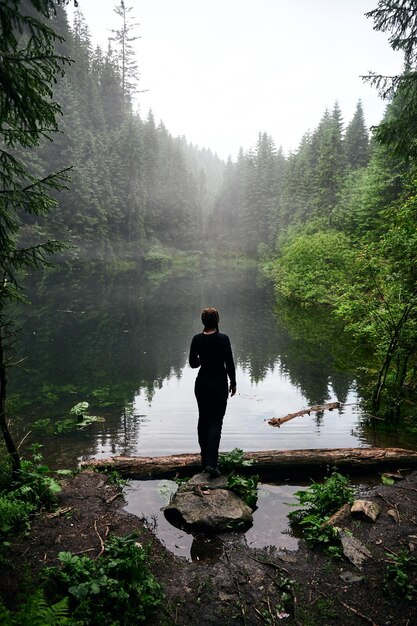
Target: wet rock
[[210, 510], [366, 510], [354, 550], [204, 481]]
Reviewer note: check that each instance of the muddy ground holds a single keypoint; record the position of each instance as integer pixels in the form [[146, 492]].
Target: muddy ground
[[240, 586]]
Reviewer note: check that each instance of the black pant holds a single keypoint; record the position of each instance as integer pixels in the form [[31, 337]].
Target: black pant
[[212, 400]]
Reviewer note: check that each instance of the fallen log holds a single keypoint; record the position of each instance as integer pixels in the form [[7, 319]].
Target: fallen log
[[319, 408], [276, 464]]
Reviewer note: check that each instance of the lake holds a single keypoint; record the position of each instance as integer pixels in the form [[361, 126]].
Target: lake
[[120, 341]]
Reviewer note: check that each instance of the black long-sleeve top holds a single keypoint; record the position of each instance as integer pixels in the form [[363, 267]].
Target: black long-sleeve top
[[213, 354]]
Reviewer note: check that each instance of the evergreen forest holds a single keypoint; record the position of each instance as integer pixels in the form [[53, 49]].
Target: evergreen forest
[[100, 205], [331, 224]]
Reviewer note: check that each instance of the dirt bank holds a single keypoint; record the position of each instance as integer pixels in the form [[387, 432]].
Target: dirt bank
[[242, 586]]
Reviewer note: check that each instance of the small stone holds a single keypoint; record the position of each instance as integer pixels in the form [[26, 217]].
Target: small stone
[[354, 550], [226, 597], [366, 510], [351, 577], [394, 514]]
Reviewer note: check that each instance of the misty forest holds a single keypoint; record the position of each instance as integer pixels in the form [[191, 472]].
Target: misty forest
[[114, 234]]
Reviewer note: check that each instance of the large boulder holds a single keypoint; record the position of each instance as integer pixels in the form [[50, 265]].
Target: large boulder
[[205, 504]]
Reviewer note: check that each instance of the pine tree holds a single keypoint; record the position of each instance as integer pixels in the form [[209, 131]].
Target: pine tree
[[399, 18], [329, 162], [27, 114], [356, 140], [125, 52]]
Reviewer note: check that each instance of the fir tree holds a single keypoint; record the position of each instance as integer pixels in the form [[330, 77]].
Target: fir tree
[[356, 141]]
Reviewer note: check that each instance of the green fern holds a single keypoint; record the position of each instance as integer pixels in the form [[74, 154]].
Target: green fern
[[37, 612]]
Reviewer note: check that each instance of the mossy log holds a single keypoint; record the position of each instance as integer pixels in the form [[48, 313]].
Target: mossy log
[[275, 464]]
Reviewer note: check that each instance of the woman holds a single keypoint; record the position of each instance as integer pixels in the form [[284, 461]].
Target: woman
[[212, 352]]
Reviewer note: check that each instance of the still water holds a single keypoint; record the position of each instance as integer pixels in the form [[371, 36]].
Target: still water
[[121, 341]]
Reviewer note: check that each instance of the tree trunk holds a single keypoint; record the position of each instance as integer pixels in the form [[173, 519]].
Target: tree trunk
[[8, 439], [276, 464]]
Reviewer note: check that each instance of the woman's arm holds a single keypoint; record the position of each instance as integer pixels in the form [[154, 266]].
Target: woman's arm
[[230, 367], [194, 359]]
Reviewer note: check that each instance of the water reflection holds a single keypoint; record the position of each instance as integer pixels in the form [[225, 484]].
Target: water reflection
[[146, 499], [121, 342]]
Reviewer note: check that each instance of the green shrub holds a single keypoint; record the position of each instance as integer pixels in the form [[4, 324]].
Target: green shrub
[[246, 487], [314, 267], [230, 461], [323, 499], [32, 490], [318, 503], [117, 588], [34, 485], [398, 574]]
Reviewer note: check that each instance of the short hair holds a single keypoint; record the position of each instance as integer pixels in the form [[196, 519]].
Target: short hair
[[210, 317]]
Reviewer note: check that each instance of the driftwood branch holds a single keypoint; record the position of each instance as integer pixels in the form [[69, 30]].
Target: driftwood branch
[[319, 408], [270, 463]]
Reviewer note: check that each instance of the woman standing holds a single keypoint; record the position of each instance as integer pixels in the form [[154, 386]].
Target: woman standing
[[212, 352]]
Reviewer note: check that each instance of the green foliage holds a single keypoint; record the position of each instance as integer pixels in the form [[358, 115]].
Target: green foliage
[[230, 461], [118, 588], [114, 477], [324, 498], [314, 267], [398, 574], [78, 419], [31, 489], [157, 258], [387, 480], [34, 483], [37, 612], [318, 502], [246, 487], [14, 514]]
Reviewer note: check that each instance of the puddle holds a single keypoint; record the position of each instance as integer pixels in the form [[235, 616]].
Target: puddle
[[147, 498]]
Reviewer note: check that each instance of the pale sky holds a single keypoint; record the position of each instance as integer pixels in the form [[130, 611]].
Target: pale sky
[[220, 72]]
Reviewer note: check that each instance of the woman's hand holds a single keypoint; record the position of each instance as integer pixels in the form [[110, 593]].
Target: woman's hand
[[232, 390]]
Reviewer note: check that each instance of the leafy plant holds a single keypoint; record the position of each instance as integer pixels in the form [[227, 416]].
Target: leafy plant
[[118, 588], [32, 489], [317, 533], [398, 574], [78, 418], [387, 480], [323, 499], [34, 484], [37, 612], [114, 477], [246, 487], [319, 502], [229, 461]]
